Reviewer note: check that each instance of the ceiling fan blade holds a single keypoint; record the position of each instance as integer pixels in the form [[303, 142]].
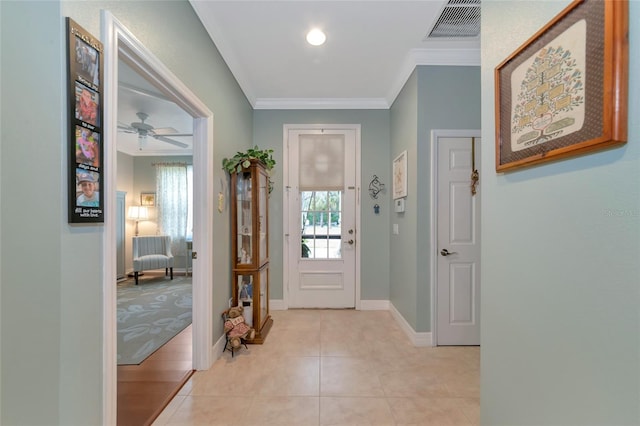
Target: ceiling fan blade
[[126, 129], [164, 131], [171, 141], [181, 135]]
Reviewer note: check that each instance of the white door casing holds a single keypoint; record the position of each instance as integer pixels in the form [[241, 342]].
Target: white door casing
[[119, 42], [322, 282], [456, 246]]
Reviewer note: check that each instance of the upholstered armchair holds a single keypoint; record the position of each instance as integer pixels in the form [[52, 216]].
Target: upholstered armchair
[[152, 252]]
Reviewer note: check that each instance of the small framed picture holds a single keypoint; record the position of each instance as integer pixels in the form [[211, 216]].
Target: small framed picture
[[400, 176], [87, 148], [87, 104], [148, 199]]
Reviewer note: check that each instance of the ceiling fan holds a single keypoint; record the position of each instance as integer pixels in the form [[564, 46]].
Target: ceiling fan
[[143, 130]]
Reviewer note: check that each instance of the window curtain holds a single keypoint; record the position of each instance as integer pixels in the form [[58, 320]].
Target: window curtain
[[172, 193]]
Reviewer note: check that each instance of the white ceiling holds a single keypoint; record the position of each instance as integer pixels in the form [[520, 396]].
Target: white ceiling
[[372, 48]]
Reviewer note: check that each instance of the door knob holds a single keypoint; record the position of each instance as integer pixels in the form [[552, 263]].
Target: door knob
[[446, 252]]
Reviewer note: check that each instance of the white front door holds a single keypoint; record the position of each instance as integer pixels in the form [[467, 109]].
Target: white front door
[[458, 242], [321, 230]]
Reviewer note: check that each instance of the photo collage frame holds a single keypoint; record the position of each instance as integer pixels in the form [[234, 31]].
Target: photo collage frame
[[86, 142]]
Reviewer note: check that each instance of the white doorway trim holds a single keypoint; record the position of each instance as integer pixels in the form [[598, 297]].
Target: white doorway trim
[[119, 42], [437, 134], [286, 222]]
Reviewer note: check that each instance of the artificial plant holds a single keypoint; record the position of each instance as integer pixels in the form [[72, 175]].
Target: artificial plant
[[242, 160]]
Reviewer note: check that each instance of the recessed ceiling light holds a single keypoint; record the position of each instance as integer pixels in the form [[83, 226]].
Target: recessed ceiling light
[[316, 37]]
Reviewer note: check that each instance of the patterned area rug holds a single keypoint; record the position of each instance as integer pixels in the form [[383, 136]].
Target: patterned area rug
[[150, 314]]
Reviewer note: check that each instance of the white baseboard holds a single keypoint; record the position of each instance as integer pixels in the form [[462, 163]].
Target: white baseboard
[[365, 305], [419, 339], [217, 349], [374, 305]]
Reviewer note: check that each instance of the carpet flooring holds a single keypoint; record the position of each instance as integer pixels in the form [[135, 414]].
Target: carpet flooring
[[150, 314]]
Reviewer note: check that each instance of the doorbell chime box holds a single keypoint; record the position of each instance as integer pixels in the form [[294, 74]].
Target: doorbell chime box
[[399, 205]]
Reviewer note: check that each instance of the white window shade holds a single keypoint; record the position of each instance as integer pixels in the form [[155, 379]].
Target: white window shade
[[321, 166]]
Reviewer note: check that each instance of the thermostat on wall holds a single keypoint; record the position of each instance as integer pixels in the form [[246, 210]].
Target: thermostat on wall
[[399, 205]]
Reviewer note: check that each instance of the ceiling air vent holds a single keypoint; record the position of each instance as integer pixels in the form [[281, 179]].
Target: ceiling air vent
[[459, 18]]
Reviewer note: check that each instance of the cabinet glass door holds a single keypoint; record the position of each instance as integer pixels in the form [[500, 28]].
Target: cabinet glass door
[[264, 292], [244, 219], [245, 296], [262, 217]]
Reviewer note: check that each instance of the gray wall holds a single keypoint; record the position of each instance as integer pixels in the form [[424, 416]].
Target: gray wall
[[34, 265], [560, 269], [403, 268], [51, 316], [434, 97], [374, 235], [448, 98]]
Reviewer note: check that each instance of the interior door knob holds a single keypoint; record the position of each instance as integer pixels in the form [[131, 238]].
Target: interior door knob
[[446, 252]]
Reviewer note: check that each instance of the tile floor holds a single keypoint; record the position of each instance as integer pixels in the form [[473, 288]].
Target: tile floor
[[333, 367]]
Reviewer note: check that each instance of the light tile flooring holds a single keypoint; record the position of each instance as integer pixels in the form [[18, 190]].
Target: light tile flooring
[[333, 367]]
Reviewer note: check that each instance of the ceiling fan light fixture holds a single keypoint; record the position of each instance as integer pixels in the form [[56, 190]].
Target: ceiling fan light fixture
[[142, 142], [316, 37]]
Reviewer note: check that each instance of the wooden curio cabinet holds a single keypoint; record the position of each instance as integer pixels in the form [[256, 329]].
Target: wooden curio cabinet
[[250, 246]]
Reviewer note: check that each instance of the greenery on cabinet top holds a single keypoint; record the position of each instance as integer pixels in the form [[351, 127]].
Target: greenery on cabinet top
[[242, 160]]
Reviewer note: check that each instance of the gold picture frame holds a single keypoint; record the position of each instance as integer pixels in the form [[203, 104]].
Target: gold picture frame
[[564, 91], [148, 199]]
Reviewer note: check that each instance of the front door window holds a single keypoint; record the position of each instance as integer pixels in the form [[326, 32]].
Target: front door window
[[321, 224]]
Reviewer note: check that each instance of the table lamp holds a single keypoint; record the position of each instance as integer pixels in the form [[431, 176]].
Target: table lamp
[[138, 213]]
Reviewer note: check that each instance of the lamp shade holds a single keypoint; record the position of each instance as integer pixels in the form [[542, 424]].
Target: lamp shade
[[138, 213]]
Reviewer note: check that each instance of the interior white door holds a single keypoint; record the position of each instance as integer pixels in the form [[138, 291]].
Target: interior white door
[[458, 228], [321, 204]]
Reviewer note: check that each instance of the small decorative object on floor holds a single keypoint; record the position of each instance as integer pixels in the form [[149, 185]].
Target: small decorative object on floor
[[236, 329]]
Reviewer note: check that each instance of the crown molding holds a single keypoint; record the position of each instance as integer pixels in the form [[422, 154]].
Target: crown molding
[[440, 56], [432, 56], [321, 103], [469, 57]]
